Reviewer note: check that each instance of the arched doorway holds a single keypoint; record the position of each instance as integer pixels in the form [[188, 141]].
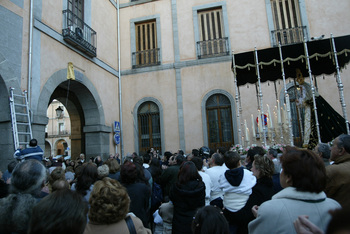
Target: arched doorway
[[219, 121], [80, 99], [148, 119]]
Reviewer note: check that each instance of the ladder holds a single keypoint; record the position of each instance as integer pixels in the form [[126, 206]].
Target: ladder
[[20, 118]]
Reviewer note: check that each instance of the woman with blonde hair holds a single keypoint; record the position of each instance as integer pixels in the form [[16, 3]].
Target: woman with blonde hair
[[109, 207]]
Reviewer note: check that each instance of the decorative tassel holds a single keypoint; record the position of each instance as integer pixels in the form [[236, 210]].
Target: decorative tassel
[[288, 62], [248, 68], [316, 58], [302, 60], [274, 64]]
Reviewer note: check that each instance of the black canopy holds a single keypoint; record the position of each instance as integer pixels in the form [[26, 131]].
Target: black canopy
[[320, 54]]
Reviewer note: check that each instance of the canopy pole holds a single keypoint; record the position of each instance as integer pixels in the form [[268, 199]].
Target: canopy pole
[[286, 95], [313, 90], [237, 99], [340, 86], [260, 99]]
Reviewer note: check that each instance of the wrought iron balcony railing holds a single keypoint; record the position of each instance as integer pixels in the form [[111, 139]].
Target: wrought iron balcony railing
[[289, 36], [57, 133], [79, 34], [213, 48], [146, 58]]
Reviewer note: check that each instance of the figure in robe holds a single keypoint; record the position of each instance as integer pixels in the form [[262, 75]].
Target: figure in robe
[[331, 123]]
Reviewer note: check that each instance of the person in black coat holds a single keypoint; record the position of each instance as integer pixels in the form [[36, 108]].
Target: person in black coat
[[187, 195], [262, 169]]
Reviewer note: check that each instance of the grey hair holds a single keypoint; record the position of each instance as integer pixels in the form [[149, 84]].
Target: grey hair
[[218, 159], [344, 142], [325, 150], [103, 171], [28, 177]]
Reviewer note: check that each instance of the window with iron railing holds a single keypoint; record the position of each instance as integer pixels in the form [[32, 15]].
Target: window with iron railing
[[79, 34], [147, 52], [211, 42], [287, 22]]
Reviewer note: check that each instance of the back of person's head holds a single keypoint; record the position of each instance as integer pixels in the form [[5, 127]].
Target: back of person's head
[[264, 165], [197, 162], [259, 150], [146, 158], [181, 152], [113, 165], [210, 220], [179, 159], [138, 160], [28, 177], [324, 149], [33, 142], [344, 142], [86, 177], [222, 150], [273, 152], [188, 172], [128, 173], [63, 211], [57, 174], [15, 212], [305, 168], [195, 152], [59, 185], [167, 155], [11, 166], [109, 202], [218, 159], [102, 171], [232, 159], [339, 223]]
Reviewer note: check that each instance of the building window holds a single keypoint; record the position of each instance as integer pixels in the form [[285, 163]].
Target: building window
[[61, 129], [149, 127], [212, 41], [77, 8], [219, 121], [147, 51], [288, 28]]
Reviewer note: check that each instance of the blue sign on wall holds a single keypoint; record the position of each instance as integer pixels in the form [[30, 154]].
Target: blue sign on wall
[[117, 138], [116, 126]]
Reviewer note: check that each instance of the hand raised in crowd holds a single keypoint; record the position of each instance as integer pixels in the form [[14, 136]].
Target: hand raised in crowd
[[255, 210], [303, 225]]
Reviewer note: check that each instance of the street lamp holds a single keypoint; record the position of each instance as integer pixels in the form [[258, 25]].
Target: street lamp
[[59, 111]]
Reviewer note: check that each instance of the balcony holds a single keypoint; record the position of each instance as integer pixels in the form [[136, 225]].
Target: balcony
[[213, 48], [56, 133], [78, 34], [289, 36], [146, 58]]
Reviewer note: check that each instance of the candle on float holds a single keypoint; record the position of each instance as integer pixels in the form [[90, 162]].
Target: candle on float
[[246, 130], [285, 117], [270, 116], [259, 122], [253, 126], [279, 112], [247, 138]]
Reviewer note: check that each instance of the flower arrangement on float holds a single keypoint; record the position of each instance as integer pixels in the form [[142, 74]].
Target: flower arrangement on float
[[279, 148]]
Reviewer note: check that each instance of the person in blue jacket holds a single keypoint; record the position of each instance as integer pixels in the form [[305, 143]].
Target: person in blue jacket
[[32, 152]]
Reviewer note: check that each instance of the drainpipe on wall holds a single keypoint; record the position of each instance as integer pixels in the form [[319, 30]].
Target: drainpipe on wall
[[120, 89], [30, 53]]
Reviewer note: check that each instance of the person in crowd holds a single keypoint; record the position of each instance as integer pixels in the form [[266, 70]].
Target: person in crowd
[[262, 169], [324, 151], [57, 174], [69, 174], [4, 187], [236, 183], [338, 174], [139, 161], [27, 180], [81, 160], [86, 177], [63, 211], [157, 192], [216, 169], [303, 178], [146, 159], [109, 207], [250, 157], [103, 171], [138, 189], [114, 169], [60, 184], [165, 159], [272, 154], [209, 219], [7, 174], [169, 176], [187, 195], [166, 212], [98, 161], [32, 152], [205, 178]]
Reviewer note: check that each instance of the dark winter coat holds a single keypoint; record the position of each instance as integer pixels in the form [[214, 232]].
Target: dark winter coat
[[187, 198]]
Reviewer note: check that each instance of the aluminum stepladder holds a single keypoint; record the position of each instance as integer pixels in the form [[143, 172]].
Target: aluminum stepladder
[[20, 118]]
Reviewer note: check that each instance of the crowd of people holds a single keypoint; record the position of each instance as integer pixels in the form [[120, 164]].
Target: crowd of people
[[207, 191]]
